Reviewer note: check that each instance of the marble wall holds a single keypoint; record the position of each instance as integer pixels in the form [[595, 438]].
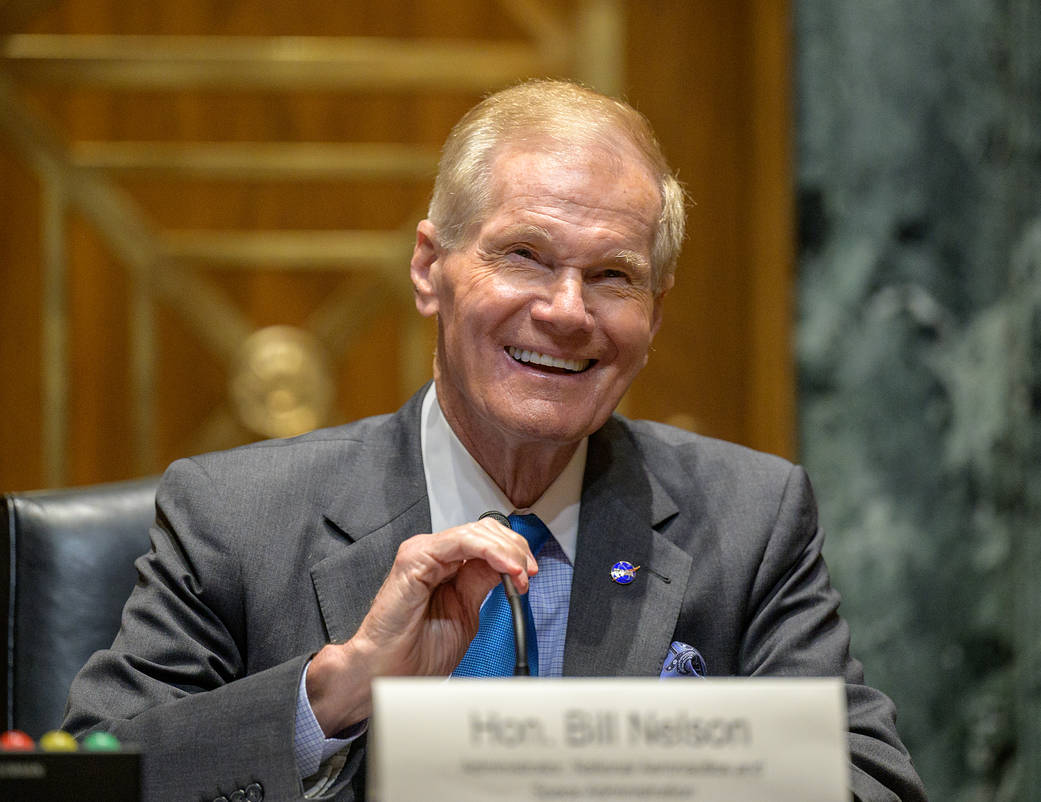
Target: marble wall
[[919, 355]]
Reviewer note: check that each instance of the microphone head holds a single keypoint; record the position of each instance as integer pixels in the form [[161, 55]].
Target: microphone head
[[496, 516]]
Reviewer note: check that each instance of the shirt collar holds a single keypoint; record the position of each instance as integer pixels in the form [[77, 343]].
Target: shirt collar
[[459, 489]]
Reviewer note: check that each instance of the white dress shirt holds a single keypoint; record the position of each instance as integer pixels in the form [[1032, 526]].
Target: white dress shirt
[[460, 491]]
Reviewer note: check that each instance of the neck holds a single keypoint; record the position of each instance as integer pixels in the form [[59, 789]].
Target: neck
[[522, 469]]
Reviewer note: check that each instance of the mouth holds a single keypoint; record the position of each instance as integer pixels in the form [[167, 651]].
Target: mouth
[[553, 363]]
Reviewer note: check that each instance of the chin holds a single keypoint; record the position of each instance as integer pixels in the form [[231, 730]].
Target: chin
[[558, 426]]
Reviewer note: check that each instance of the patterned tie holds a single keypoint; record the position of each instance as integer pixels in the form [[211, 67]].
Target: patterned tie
[[492, 652]]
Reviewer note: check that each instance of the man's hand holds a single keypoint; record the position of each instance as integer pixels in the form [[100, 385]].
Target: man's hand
[[423, 618]]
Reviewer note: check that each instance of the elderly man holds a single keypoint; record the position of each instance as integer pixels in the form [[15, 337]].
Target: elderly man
[[286, 575]]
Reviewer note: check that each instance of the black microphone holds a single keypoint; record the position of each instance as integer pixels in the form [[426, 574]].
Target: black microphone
[[520, 637]]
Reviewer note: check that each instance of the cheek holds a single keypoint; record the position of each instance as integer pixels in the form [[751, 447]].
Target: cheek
[[468, 336], [631, 334]]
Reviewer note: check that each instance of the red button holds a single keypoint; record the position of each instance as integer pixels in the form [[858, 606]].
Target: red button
[[16, 741]]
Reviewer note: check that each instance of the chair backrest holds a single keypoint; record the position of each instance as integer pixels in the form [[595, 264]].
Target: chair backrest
[[66, 569]]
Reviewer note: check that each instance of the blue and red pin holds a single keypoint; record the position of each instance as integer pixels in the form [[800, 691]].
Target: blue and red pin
[[624, 572]]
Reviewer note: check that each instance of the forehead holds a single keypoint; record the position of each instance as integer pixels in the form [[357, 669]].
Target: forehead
[[611, 190]]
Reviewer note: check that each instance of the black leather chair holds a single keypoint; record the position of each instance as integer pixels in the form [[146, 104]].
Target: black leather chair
[[66, 569]]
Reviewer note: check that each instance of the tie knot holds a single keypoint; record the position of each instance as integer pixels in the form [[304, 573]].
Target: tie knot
[[531, 528]]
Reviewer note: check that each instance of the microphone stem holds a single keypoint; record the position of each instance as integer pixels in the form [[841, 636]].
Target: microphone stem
[[520, 627], [520, 639]]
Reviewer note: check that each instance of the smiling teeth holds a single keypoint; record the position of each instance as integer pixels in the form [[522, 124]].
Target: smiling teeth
[[535, 358]]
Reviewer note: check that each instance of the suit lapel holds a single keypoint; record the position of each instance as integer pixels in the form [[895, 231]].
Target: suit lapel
[[383, 502], [347, 582], [613, 629]]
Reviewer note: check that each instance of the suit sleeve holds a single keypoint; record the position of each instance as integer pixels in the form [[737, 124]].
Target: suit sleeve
[[795, 630], [178, 680]]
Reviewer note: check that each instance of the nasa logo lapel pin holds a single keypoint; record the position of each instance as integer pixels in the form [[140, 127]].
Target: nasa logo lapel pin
[[623, 572]]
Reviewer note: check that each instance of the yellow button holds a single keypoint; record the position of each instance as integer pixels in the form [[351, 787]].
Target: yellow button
[[58, 741]]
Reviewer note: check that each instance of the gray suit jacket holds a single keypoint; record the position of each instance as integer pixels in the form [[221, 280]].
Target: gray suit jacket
[[264, 553]]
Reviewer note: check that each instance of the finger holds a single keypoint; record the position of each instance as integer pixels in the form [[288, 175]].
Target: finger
[[531, 566], [502, 549]]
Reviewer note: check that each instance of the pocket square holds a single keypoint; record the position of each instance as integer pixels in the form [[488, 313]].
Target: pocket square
[[683, 661]]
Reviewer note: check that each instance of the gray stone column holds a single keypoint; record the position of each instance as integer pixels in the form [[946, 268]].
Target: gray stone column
[[919, 354]]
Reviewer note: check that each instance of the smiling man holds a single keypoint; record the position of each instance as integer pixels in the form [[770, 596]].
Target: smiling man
[[286, 575]]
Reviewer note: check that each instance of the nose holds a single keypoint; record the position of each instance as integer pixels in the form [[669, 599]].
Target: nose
[[563, 304]]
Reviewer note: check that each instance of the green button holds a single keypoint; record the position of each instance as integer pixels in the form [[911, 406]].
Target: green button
[[101, 742], [58, 741]]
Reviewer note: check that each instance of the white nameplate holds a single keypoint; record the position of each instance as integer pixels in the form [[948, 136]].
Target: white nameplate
[[738, 740]]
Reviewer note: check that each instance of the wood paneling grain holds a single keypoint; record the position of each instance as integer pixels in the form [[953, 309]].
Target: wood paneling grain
[[712, 78]]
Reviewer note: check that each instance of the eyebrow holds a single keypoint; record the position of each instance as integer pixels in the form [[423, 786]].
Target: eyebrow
[[524, 232], [633, 259]]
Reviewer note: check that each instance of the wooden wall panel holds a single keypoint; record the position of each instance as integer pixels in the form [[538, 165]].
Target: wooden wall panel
[[153, 342], [719, 100], [21, 327]]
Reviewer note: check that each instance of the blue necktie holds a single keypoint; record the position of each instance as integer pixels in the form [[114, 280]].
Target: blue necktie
[[492, 652]]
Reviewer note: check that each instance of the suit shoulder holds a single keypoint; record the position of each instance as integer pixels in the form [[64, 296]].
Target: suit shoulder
[[659, 441], [275, 485], [694, 465], [308, 470], [305, 448]]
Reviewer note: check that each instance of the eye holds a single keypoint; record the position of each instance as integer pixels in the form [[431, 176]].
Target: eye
[[523, 252], [613, 273]]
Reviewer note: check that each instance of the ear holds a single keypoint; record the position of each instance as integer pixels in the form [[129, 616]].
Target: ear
[[424, 268], [658, 310]]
